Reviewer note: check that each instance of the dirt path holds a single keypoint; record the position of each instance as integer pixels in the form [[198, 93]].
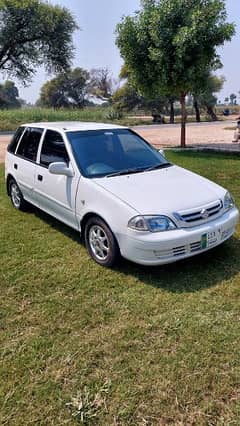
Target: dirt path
[[4, 141], [196, 134], [208, 134]]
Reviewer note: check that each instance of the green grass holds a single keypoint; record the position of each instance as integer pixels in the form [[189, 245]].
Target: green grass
[[11, 119], [129, 346]]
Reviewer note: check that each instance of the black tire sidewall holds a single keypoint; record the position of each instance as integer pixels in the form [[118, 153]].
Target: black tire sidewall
[[114, 249]]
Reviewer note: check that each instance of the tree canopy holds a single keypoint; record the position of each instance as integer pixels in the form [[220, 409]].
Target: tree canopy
[[34, 33], [169, 44], [127, 98], [101, 84], [205, 96], [9, 96], [68, 89], [233, 99]]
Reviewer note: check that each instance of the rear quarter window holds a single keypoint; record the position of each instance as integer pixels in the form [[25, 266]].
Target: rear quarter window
[[28, 146], [14, 142]]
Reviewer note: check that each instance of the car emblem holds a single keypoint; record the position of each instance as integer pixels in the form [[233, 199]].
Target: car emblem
[[204, 214]]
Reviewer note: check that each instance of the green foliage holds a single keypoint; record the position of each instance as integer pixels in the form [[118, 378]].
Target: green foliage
[[114, 114], [205, 97], [68, 89], [9, 96], [11, 119], [34, 33], [126, 98], [170, 43]]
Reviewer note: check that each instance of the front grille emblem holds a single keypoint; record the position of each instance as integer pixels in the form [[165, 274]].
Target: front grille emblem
[[204, 213]]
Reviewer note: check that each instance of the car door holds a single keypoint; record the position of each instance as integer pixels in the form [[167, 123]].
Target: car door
[[25, 161], [56, 194]]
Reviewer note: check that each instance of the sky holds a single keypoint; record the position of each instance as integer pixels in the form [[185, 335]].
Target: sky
[[95, 42]]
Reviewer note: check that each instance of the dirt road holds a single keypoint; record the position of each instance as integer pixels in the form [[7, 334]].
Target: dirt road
[[4, 141], [206, 134]]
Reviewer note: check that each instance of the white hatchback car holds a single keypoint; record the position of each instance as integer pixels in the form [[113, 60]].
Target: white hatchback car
[[117, 190]]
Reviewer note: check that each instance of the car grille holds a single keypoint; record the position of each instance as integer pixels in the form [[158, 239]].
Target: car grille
[[178, 251], [193, 247], [200, 214]]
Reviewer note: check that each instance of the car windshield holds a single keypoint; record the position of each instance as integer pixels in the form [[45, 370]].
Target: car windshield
[[109, 153]]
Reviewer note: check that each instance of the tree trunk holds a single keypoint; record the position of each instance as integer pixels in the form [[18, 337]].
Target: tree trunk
[[172, 112], [197, 110], [211, 113], [183, 120]]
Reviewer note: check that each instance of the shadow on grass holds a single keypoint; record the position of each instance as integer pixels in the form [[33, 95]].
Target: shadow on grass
[[193, 274], [190, 275], [55, 224], [207, 155]]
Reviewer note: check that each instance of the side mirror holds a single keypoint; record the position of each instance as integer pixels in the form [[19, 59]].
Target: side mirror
[[60, 168], [161, 151]]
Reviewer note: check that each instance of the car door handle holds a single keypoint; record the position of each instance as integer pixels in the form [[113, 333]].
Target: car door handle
[[15, 166], [40, 178]]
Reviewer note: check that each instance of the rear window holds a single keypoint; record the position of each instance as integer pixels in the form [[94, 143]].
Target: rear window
[[13, 144], [29, 144]]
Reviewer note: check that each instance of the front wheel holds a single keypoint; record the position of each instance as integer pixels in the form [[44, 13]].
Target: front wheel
[[100, 242], [16, 196]]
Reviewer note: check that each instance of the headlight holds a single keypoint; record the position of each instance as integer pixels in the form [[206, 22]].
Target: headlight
[[228, 201], [151, 223]]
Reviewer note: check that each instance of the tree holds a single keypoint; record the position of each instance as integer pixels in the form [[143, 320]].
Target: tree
[[34, 33], [9, 96], [169, 44], [233, 99], [204, 96], [101, 83], [66, 90], [226, 100], [127, 97]]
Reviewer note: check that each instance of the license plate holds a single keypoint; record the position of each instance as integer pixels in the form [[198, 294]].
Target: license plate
[[204, 241], [207, 238]]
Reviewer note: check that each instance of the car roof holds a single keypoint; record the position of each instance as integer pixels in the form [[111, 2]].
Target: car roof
[[66, 126]]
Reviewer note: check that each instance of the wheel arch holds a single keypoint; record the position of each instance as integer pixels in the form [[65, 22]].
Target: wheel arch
[[85, 219], [9, 178]]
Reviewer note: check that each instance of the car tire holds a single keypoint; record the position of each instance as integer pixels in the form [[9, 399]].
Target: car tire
[[16, 196], [101, 242]]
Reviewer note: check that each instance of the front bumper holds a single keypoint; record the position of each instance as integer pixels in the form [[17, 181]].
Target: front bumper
[[167, 247]]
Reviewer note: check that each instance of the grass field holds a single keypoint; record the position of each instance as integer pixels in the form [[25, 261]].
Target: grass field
[[129, 346], [11, 119]]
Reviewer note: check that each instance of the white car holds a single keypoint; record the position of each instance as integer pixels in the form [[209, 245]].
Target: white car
[[118, 191]]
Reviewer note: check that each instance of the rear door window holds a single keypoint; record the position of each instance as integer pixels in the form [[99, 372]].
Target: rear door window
[[53, 149], [17, 136], [28, 147]]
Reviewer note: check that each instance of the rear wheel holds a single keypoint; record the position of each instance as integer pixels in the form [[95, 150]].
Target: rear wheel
[[100, 242], [16, 196]]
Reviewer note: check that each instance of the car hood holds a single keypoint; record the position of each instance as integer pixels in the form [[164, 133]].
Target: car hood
[[162, 191]]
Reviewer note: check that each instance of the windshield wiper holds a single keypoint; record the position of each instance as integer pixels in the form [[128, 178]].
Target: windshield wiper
[[158, 166], [139, 170], [127, 172]]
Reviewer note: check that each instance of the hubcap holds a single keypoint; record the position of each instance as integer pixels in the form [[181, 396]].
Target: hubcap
[[15, 195], [99, 242]]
